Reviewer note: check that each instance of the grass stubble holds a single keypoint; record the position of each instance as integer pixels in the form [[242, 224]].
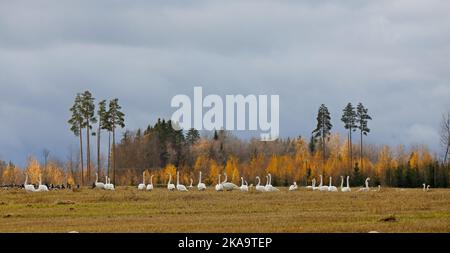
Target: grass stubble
[[130, 210]]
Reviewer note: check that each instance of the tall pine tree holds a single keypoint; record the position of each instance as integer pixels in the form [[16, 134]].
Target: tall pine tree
[[88, 112], [76, 126], [116, 119], [323, 129], [349, 119], [103, 124], [362, 118]]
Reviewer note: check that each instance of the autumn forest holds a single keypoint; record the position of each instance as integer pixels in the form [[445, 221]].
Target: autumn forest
[[159, 149]]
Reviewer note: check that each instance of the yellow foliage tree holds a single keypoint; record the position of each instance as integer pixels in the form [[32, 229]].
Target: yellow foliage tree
[[255, 166], [170, 169], [12, 175], [214, 171], [53, 174], [33, 170], [231, 169]]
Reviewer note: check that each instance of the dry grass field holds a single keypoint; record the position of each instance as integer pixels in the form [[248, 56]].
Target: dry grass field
[[130, 210]]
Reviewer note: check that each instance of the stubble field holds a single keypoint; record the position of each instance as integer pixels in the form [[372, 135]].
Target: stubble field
[[130, 210]]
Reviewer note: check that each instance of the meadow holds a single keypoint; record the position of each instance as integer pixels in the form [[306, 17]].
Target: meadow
[[130, 210]]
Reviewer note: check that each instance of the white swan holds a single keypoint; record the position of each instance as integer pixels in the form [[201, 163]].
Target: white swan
[[266, 187], [42, 187], [424, 187], [191, 186], [347, 188], [219, 186], [321, 186], [108, 185], [141, 186], [180, 187], [170, 186], [269, 187], [228, 186], [312, 186], [201, 186], [98, 184], [150, 186], [28, 187], [244, 186], [332, 188], [366, 188], [259, 187], [111, 186], [293, 187]]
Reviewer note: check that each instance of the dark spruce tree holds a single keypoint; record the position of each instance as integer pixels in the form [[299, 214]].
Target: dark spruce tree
[[362, 118], [323, 129], [192, 136], [349, 119]]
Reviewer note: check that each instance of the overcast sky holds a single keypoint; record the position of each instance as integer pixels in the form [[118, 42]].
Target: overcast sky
[[394, 56]]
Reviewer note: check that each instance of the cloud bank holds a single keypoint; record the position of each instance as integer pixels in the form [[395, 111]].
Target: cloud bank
[[393, 56]]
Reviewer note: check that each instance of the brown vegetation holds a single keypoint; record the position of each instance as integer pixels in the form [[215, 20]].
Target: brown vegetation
[[129, 210]]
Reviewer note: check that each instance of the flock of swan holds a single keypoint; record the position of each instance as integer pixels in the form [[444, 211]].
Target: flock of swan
[[268, 187], [30, 187], [222, 185]]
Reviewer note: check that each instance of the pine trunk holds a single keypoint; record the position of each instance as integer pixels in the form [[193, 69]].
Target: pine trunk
[[81, 153], [88, 153], [351, 148], [109, 153], [98, 149], [114, 156], [361, 151]]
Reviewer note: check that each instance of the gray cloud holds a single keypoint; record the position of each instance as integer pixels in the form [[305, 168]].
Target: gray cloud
[[391, 55]]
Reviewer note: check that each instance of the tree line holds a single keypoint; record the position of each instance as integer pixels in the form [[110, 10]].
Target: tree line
[[159, 149]]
